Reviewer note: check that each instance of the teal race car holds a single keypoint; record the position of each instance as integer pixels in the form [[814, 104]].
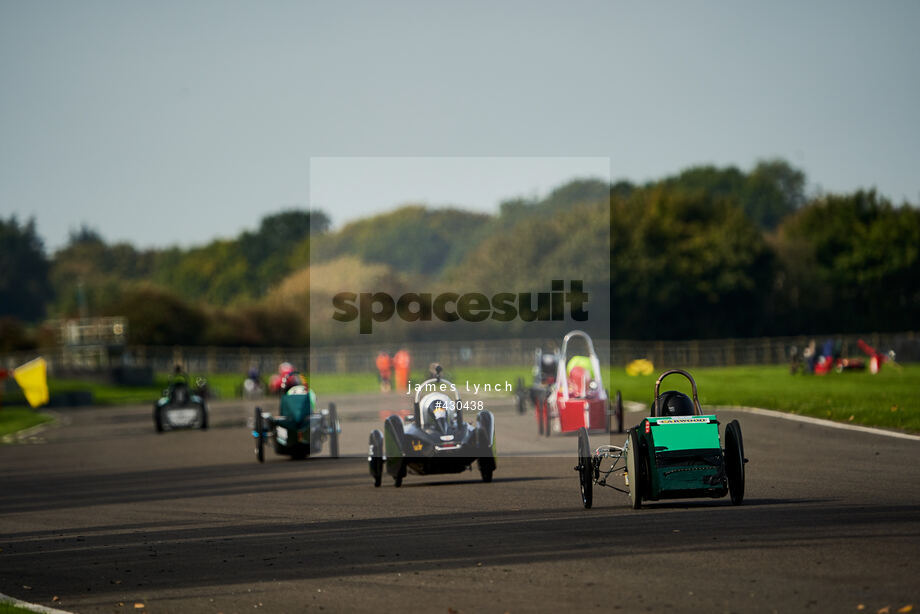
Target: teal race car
[[674, 453], [300, 430]]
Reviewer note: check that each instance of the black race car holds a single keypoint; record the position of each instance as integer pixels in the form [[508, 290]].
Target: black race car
[[181, 406], [436, 439]]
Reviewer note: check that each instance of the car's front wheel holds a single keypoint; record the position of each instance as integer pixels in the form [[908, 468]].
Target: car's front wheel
[[259, 432], [634, 469], [158, 418], [334, 432], [585, 468], [375, 456], [734, 461]]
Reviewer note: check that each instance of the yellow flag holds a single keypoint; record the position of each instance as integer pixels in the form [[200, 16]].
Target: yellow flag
[[32, 377]]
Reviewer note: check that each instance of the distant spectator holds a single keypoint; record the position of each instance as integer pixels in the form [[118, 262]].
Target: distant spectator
[[384, 364], [401, 363]]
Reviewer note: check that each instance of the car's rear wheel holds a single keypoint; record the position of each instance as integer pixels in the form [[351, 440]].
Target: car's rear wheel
[[734, 461], [334, 434], [486, 468], [259, 428], [519, 396], [158, 419], [484, 436], [618, 411], [633, 470], [375, 456], [540, 420], [400, 474], [585, 468], [203, 417], [547, 420]]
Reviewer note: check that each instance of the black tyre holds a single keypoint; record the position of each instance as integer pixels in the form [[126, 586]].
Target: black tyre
[[485, 434], [618, 411], [486, 467], [485, 421], [375, 456], [519, 396], [608, 415], [397, 431], [334, 435], [585, 468], [203, 417], [540, 419], [158, 419], [259, 428], [547, 420], [634, 470], [487, 461], [734, 461]]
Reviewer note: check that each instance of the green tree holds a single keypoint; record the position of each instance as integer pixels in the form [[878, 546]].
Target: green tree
[[88, 273], [411, 239], [850, 263], [686, 264], [158, 317], [773, 190], [24, 285]]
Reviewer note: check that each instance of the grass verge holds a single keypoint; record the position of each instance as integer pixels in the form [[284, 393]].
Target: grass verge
[[888, 399], [14, 419]]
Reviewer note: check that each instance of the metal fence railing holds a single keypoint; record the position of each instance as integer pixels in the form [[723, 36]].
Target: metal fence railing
[[483, 353]]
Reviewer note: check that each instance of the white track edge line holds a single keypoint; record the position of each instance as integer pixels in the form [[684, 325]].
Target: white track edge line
[[772, 413]]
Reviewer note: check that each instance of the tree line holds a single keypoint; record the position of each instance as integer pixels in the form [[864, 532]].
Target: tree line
[[709, 252]]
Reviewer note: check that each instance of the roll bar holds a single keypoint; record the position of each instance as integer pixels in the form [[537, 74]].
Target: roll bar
[[656, 411], [562, 376]]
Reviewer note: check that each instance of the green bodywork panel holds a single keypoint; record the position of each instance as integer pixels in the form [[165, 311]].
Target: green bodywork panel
[[297, 407], [685, 432], [684, 455], [295, 418]]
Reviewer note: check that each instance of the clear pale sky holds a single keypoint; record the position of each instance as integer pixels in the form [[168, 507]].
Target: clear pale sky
[[177, 122]]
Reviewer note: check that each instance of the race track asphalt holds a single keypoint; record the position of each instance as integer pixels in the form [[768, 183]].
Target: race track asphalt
[[101, 514]]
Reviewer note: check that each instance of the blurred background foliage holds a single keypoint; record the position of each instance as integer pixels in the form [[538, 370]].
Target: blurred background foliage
[[709, 252]]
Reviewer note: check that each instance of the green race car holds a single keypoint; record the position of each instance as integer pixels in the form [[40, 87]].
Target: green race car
[[301, 429], [674, 453]]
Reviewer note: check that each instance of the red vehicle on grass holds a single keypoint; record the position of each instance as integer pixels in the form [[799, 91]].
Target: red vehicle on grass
[[831, 358], [577, 397]]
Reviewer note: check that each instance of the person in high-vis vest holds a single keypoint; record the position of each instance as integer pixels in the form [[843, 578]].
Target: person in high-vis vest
[[401, 366]]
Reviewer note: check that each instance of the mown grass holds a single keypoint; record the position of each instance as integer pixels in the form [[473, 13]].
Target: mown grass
[[888, 399], [8, 607], [221, 385], [13, 419]]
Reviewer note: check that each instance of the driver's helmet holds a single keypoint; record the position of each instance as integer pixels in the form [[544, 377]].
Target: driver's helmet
[[435, 408], [293, 383], [673, 403], [548, 363]]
